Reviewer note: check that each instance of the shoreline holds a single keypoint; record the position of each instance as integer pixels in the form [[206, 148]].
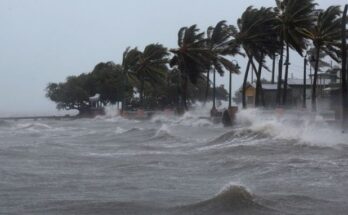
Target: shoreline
[[38, 117]]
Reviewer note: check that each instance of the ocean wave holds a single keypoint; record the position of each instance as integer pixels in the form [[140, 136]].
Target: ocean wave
[[132, 130], [89, 207], [32, 126], [163, 130], [4, 123], [232, 198], [120, 130], [234, 138], [298, 128]]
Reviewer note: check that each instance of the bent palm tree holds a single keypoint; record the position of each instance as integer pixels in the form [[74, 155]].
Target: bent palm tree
[[151, 65], [254, 33], [129, 63], [220, 44], [191, 57], [292, 16], [326, 36]]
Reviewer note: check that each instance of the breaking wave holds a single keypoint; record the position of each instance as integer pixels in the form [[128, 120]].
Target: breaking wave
[[4, 123], [232, 198], [302, 128], [120, 130], [33, 126]]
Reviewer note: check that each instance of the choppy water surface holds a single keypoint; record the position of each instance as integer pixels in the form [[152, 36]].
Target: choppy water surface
[[173, 165]]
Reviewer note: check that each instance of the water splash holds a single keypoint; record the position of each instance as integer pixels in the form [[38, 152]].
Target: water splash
[[301, 126]]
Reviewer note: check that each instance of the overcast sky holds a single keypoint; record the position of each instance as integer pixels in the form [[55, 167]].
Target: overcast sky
[[44, 41]]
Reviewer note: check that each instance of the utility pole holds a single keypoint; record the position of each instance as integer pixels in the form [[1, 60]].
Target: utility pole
[[304, 105]]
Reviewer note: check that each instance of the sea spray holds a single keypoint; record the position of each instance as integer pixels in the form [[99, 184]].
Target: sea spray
[[292, 125], [163, 130]]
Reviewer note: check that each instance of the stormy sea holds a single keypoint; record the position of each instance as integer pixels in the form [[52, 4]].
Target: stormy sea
[[265, 164]]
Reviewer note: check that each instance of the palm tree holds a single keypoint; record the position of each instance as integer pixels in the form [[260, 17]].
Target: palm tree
[[219, 43], [274, 58], [326, 36], [292, 16], [191, 57], [151, 66], [254, 33], [129, 64], [312, 56], [237, 70]]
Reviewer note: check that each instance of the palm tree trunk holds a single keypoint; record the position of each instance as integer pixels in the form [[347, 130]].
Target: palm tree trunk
[[214, 89], [344, 71], [304, 105], [285, 92], [280, 72], [314, 87], [179, 93], [245, 84], [123, 107], [184, 96], [258, 83], [273, 67], [142, 91], [230, 92], [207, 87]]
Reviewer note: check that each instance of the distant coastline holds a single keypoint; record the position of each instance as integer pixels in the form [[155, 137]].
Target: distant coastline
[[38, 117]]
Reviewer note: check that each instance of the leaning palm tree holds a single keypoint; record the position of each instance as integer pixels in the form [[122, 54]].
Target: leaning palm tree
[[219, 43], [268, 47], [292, 16], [326, 36], [255, 28], [192, 58], [129, 64], [151, 67], [312, 56]]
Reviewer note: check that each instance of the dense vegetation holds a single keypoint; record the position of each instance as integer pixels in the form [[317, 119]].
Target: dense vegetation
[[160, 91], [173, 78]]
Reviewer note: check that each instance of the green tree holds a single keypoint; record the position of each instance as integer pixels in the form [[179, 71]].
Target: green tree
[[151, 66], [107, 80], [326, 36], [254, 33], [129, 65], [292, 16], [71, 95], [219, 43], [191, 57]]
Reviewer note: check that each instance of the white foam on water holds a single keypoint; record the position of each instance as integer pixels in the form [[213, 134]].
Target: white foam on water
[[163, 130], [198, 116], [120, 130], [307, 129], [34, 126]]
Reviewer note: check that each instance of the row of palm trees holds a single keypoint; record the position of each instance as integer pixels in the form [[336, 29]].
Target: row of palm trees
[[260, 34], [196, 56], [267, 32]]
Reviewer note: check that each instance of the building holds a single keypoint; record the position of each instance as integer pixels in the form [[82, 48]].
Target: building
[[269, 94]]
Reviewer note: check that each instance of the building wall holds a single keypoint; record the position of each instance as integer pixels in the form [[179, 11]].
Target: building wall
[[250, 96]]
